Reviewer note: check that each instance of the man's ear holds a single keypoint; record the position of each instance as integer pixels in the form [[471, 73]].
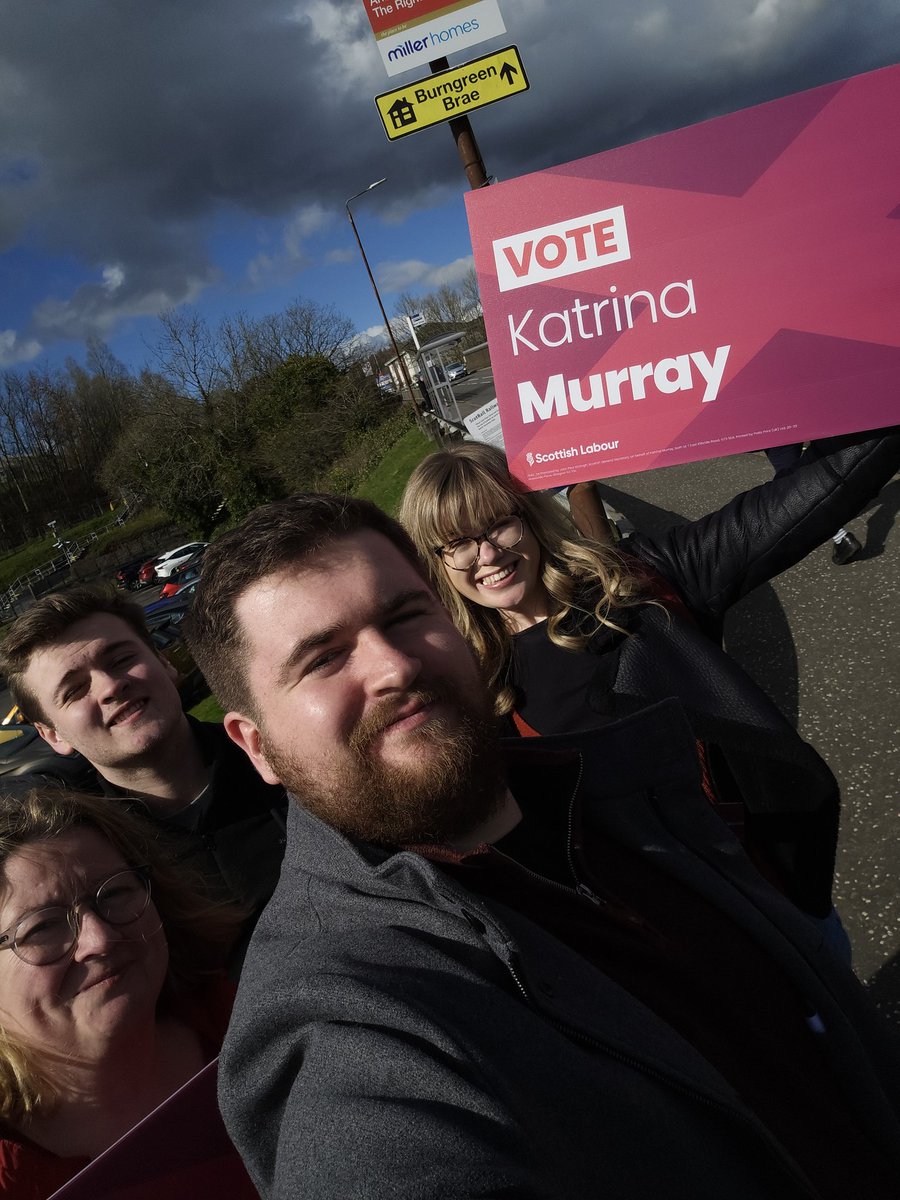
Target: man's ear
[[244, 733], [52, 738]]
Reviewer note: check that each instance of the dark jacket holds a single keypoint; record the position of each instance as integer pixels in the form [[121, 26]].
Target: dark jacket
[[395, 1035], [239, 841], [790, 796]]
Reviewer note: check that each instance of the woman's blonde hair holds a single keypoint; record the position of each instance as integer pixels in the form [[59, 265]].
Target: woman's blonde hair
[[467, 488], [199, 930]]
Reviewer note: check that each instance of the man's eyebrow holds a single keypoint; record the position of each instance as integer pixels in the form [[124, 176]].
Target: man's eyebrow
[[322, 637], [302, 648], [410, 596]]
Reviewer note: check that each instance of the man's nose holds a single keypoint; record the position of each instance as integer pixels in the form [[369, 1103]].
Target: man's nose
[[108, 685], [388, 666]]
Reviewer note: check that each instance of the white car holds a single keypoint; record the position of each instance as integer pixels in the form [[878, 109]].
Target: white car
[[166, 563]]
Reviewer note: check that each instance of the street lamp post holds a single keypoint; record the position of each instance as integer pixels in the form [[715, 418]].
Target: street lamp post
[[400, 359]]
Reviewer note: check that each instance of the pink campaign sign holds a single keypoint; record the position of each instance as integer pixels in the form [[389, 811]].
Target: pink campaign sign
[[726, 287]]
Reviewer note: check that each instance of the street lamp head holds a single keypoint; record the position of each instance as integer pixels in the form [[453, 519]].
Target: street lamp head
[[377, 183]]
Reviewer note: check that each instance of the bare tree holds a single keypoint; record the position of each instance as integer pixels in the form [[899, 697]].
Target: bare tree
[[471, 294], [189, 354]]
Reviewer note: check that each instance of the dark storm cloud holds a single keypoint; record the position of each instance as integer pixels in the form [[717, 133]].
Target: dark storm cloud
[[618, 72], [128, 127]]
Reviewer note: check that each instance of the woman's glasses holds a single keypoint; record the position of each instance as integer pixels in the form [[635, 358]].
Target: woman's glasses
[[462, 553], [49, 934]]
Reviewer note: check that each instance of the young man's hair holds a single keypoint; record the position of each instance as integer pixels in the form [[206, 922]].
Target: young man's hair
[[270, 539], [47, 621]]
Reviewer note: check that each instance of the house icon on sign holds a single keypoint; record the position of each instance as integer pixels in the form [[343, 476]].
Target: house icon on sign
[[402, 113]]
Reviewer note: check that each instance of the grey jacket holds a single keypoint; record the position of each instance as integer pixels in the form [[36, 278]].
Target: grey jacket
[[396, 1036]]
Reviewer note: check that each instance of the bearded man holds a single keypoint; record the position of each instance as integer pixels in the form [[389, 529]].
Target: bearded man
[[537, 971]]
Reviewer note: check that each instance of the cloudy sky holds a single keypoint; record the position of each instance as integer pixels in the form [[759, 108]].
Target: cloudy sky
[[155, 153]]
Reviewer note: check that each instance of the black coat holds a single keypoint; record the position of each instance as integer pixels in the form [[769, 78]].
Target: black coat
[[790, 797], [238, 843]]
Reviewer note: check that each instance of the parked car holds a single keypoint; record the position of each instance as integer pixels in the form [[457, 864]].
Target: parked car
[[128, 575], [166, 563], [147, 573], [176, 605], [455, 370], [178, 579], [194, 561]]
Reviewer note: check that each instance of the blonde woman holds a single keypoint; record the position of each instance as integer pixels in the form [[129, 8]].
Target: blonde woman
[[573, 633]]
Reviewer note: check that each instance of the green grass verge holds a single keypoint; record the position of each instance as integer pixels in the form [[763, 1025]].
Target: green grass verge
[[144, 522], [33, 554], [208, 710], [25, 559], [385, 482]]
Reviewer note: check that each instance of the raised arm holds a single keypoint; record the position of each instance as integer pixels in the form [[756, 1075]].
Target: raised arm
[[754, 537]]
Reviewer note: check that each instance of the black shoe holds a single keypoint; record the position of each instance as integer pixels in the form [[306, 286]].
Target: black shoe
[[846, 549]]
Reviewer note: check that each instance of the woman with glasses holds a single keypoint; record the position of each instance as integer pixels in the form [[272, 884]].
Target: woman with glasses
[[110, 993], [573, 633]]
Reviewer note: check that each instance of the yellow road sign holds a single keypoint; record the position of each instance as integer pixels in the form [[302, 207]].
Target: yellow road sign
[[452, 93]]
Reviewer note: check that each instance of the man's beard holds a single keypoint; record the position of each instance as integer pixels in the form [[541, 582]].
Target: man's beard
[[453, 784]]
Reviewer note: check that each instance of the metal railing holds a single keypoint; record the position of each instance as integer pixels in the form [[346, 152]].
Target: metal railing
[[71, 552]]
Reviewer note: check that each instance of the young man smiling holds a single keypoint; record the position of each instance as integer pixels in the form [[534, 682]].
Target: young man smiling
[[82, 667], [551, 976]]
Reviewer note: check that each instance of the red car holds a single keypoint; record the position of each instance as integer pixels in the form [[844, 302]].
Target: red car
[[147, 573], [179, 578]]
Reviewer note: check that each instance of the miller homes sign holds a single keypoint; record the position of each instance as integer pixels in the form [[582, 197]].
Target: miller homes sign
[[727, 287], [413, 33]]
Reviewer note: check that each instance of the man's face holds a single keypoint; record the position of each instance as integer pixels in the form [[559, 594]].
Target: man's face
[[104, 692], [369, 704]]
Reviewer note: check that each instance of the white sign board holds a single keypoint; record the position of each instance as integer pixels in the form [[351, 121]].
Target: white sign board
[[484, 425], [413, 33]]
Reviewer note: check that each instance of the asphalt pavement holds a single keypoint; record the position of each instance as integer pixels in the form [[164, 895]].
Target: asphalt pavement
[[822, 640]]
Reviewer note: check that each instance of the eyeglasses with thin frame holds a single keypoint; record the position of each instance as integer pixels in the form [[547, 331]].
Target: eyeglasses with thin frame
[[47, 935], [462, 552]]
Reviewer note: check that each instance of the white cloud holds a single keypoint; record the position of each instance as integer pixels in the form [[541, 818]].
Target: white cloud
[[292, 255], [91, 310], [452, 273], [313, 218], [343, 255], [375, 333], [13, 350], [414, 273], [113, 278]]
